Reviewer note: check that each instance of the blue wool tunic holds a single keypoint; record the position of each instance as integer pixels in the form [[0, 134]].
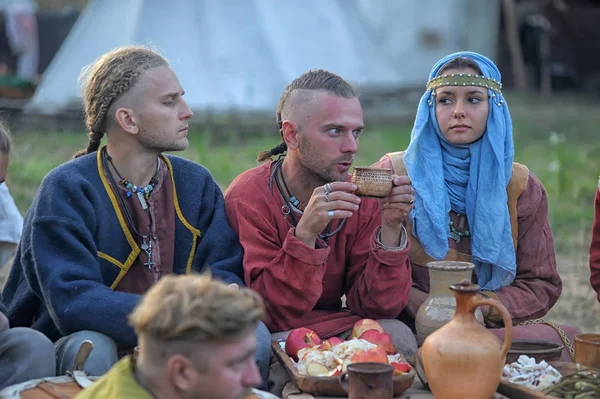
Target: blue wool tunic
[[76, 247]]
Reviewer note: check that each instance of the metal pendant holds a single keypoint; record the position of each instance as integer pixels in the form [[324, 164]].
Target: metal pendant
[[455, 236], [140, 196]]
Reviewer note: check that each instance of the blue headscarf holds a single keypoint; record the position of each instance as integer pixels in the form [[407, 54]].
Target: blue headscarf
[[470, 179]]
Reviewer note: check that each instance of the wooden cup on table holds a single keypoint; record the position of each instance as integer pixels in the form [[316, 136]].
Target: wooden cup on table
[[587, 349], [368, 381]]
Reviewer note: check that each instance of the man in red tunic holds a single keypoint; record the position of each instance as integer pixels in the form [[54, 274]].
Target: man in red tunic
[[308, 239], [595, 247]]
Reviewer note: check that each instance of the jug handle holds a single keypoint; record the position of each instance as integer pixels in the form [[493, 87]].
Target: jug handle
[[479, 300]]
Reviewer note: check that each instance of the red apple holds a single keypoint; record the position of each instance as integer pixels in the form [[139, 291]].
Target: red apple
[[325, 346], [335, 341], [336, 372], [330, 343], [401, 368], [300, 338], [382, 340], [375, 355], [363, 325]]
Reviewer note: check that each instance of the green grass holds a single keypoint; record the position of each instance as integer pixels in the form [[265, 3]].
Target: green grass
[[569, 169], [568, 166]]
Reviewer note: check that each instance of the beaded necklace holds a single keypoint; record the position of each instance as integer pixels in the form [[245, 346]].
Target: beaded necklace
[[455, 234], [144, 240], [143, 193]]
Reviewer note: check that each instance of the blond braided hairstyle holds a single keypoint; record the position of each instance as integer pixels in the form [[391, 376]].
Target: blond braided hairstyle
[[317, 79], [106, 80]]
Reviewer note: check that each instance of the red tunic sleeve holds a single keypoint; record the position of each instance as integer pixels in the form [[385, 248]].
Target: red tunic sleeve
[[537, 285], [595, 248], [378, 280]]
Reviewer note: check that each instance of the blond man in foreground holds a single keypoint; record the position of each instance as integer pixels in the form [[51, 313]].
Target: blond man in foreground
[[196, 340]]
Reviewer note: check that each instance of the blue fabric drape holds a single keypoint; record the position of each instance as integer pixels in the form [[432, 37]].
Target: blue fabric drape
[[470, 179]]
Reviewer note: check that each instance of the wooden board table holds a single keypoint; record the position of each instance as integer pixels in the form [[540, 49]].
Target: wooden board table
[[416, 391]]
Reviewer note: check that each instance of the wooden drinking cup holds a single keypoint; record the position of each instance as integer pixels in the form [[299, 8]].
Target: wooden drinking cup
[[368, 381], [587, 349]]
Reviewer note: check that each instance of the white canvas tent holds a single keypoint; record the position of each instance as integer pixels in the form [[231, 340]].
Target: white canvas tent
[[238, 55]]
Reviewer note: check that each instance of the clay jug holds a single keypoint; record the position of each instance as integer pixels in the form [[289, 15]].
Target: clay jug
[[440, 305], [462, 359]]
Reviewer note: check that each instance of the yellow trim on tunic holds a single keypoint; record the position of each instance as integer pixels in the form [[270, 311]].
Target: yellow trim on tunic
[[124, 267], [135, 249], [195, 232]]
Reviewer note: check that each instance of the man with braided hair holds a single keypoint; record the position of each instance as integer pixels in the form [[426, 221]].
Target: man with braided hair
[[196, 342], [109, 224], [308, 238]]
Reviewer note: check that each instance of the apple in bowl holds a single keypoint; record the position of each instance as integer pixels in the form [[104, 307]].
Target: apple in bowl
[[300, 338], [363, 325], [381, 339]]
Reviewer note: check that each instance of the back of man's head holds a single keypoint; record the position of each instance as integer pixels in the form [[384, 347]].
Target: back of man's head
[[299, 92], [106, 80]]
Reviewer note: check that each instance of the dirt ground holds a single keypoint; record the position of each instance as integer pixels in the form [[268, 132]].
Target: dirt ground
[[577, 305]]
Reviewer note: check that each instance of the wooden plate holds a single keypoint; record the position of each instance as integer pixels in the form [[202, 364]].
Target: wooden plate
[[329, 386], [516, 391], [538, 350]]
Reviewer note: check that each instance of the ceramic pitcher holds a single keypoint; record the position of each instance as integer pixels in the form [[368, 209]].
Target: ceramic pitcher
[[440, 305], [462, 359]]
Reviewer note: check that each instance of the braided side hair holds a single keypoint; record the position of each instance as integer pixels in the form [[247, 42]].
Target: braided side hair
[[5, 138], [318, 79], [106, 80]]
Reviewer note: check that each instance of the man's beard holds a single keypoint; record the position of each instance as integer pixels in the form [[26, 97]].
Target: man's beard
[[160, 146], [312, 164]]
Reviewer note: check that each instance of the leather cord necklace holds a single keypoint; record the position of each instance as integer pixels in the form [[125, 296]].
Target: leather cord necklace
[[277, 176]]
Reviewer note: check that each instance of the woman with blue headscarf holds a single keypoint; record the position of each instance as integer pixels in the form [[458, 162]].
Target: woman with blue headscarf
[[472, 202]]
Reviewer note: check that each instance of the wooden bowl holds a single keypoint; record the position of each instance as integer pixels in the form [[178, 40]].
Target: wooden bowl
[[372, 182], [330, 386], [539, 350]]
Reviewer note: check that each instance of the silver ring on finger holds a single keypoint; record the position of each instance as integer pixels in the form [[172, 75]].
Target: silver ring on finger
[[326, 196], [331, 214], [327, 188], [412, 200]]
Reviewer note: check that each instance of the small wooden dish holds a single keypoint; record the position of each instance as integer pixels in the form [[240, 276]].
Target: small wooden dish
[[372, 182], [516, 391], [539, 350]]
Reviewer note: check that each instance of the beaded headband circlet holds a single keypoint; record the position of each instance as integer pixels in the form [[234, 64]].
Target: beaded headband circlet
[[465, 79]]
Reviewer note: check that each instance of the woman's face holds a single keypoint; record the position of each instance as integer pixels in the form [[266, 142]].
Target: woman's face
[[461, 111]]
